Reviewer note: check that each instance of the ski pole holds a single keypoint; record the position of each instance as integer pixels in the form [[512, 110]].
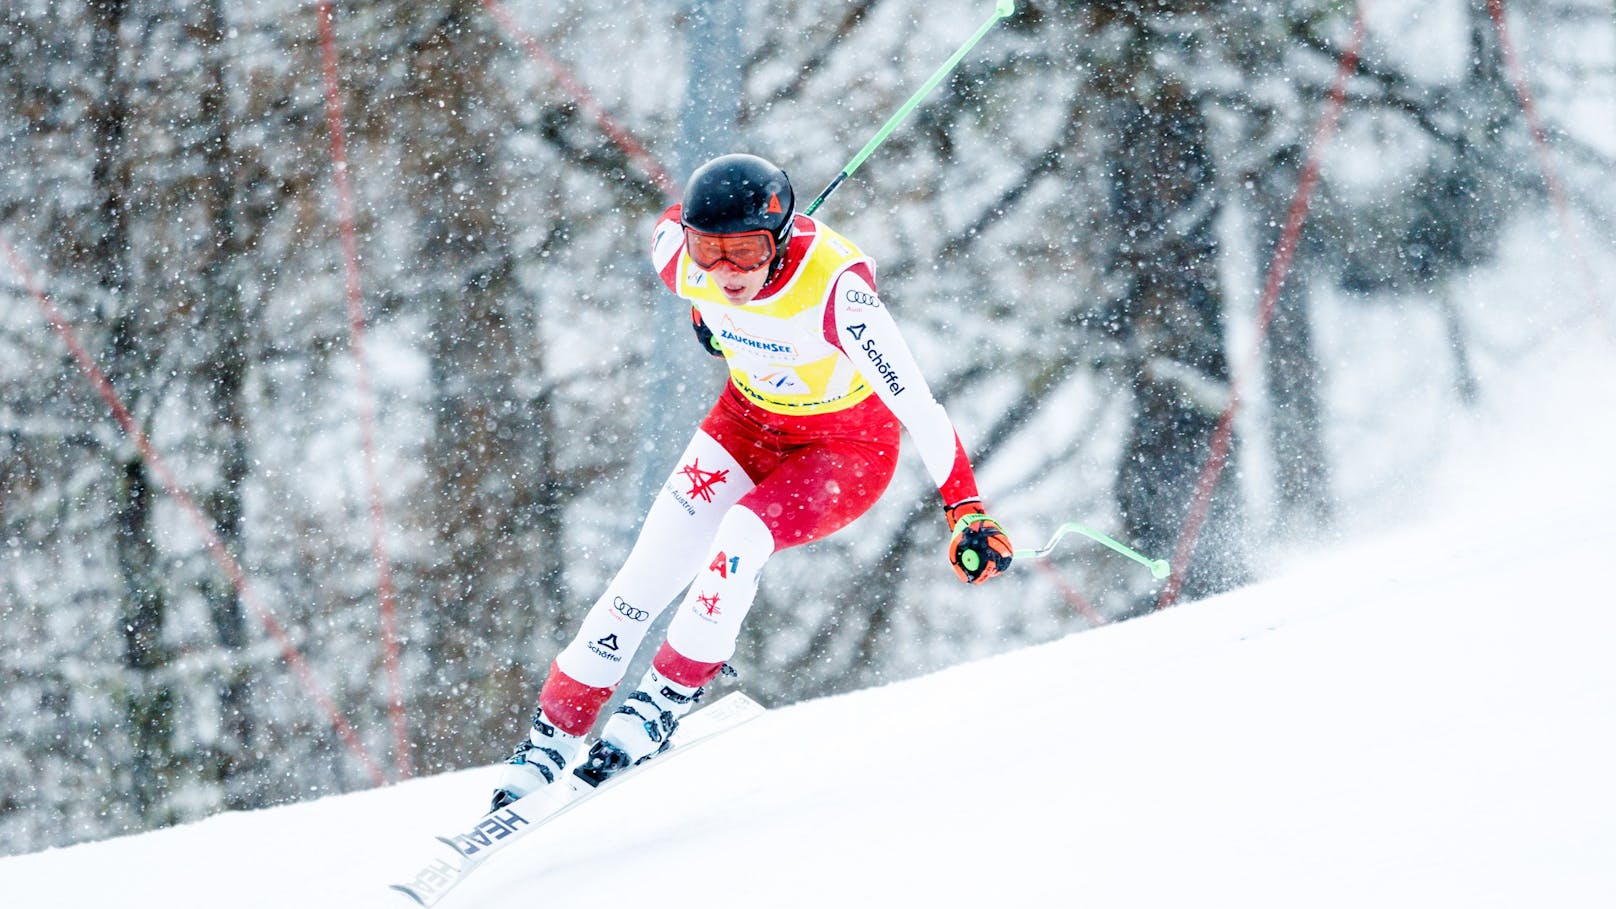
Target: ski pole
[[1158, 567], [1002, 10]]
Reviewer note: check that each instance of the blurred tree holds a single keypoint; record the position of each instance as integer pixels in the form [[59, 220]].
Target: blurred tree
[[229, 331], [1163, 209], [493, 474], [128, 359]]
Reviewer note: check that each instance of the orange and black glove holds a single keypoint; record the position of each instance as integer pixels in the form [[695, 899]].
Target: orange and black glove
[[704, 335], [979, 548]]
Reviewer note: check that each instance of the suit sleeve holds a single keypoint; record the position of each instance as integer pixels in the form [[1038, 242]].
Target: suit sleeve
[[858, 323], [667, 241]]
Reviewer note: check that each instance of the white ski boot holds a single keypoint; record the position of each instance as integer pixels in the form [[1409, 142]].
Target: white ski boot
[[640, 729], [537, 761]]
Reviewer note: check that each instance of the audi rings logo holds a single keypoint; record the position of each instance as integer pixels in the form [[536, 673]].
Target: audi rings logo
[[861, 298], [629, 612]]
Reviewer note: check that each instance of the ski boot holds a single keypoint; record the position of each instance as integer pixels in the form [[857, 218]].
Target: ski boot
[[537, 761], [640, 730]]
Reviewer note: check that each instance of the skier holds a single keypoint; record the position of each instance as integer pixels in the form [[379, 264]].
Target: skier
[[802, 440]]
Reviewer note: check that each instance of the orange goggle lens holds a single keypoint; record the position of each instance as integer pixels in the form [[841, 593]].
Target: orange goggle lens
[[747, 252]]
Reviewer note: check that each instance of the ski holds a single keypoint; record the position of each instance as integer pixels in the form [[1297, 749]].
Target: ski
[[434, 878]]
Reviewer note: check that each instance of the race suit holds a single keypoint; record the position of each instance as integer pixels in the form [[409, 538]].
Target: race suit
[[802, 440]]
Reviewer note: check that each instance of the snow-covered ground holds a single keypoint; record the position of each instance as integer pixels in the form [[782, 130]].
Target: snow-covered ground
[[1423, 717]]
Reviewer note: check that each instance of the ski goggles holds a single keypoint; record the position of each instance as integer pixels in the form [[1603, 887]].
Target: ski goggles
[[748, 251]]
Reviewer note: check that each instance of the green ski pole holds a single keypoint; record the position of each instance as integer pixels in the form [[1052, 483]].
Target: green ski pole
[[1001, 11], [1158, 567]]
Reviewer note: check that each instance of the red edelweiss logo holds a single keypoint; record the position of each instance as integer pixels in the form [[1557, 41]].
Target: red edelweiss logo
[[703, 481], [709, 604]]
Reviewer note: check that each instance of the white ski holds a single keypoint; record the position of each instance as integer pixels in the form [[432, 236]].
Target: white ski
[[498, 829]]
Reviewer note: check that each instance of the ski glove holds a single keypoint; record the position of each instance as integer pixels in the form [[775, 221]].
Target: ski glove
[[704, 335], [980, 548]]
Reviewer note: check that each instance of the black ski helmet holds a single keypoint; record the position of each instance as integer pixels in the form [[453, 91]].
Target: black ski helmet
[[732, 194]]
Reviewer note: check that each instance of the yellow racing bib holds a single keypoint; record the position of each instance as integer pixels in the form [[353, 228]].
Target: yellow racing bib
[[776, 348]]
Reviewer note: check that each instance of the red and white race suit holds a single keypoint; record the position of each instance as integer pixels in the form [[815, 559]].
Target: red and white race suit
[[802, 440]]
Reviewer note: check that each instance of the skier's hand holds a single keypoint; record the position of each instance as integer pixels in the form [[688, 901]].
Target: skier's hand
[[979, 548], [704, 335]]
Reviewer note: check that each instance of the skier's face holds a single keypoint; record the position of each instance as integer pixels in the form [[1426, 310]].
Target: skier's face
[[738, 287]]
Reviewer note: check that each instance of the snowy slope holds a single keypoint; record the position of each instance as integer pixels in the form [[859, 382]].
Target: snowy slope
[[1423, 719]]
